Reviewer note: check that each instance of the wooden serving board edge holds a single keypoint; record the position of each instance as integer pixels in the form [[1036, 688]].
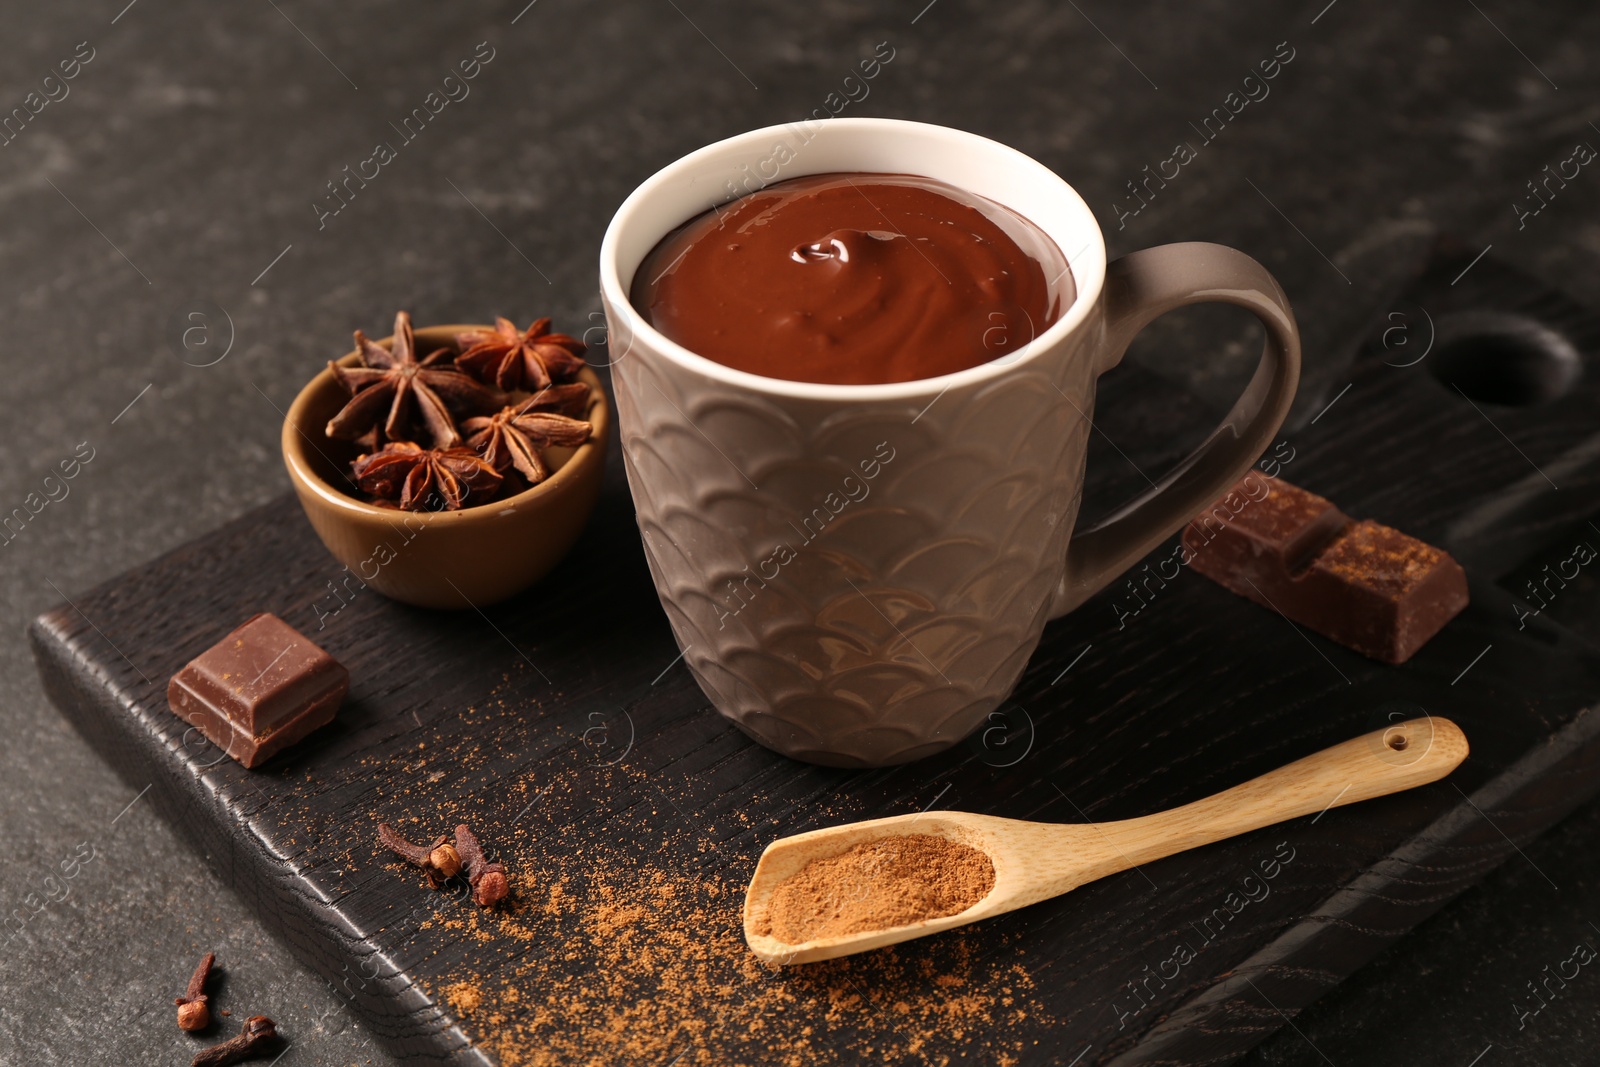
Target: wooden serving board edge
[[1351, 926], [1381, 905], [399, 1015]]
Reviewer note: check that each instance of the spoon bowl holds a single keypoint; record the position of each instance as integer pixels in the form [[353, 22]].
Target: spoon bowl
[[1034, 860]]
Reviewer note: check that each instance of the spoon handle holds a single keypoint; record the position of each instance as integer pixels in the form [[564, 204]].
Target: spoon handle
[[1388, 760]]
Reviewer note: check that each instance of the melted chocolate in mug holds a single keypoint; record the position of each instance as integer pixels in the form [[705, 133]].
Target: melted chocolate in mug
[[851, 279]]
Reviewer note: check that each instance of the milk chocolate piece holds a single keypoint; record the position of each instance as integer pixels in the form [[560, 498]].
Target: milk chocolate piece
[[1366, 586], [259, 690]]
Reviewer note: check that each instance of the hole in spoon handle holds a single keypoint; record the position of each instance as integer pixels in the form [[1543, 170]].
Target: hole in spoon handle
[[1388, 760]]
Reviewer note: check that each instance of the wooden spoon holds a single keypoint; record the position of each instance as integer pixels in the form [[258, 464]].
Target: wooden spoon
[[1034, 861]]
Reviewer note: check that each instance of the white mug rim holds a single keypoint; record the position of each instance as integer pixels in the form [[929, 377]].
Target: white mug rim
[[1088, 266]]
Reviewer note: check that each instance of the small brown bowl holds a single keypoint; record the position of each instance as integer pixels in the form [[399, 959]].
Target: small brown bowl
[[441, 559]]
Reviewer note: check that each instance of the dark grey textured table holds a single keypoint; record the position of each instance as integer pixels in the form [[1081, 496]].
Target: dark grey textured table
[[179, 174]]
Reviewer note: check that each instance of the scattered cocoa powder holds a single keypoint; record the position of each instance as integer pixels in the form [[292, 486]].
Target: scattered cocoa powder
[[892, 881], [623, 940], [635, 965], [464, 998]]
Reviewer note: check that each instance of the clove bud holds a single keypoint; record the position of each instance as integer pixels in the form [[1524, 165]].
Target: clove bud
[[488, 880], [445, 859], [193, 1010], [438, 859], [259, 1035]]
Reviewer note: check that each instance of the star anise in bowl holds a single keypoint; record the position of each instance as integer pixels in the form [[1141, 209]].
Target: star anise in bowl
[[516, 436], [530, 359], [408, 504], [398, 403], [394, 397], [393, 389], [426, 479]]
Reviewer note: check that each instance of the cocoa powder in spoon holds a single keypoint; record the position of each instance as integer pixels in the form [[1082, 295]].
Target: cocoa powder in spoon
[[891, 881]]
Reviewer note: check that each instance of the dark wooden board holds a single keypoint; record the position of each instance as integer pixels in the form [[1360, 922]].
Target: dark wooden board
[[631, 814]]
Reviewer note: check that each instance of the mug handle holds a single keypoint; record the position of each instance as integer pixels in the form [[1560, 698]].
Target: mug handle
[[1140, 287]]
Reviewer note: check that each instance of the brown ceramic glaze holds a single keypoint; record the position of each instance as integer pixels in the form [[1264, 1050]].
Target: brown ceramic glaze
[[447, 559]]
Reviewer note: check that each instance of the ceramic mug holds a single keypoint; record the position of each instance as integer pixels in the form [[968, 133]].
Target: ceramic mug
[[857, 574]]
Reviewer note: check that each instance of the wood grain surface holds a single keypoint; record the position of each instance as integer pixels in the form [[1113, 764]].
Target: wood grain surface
[[631, 815]]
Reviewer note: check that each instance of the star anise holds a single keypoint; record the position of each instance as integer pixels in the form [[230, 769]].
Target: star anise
[[515, 436], [511, 359], [427, 479], [398, 383]]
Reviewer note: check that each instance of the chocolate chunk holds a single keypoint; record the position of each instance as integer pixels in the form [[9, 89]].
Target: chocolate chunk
[[259, 690], [1366, 586]]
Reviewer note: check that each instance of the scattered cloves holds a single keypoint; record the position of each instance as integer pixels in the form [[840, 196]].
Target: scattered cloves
[[488, 880], [258, 1036], [439, 860], [193, 1010]]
